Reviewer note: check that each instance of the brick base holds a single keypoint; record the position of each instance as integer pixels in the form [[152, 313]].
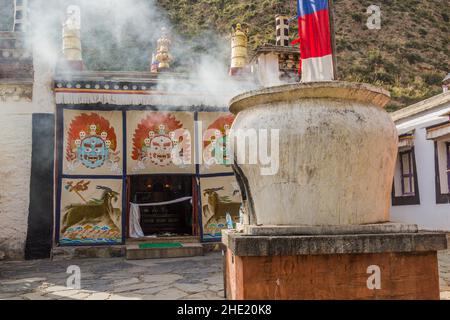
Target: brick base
[[410, 275]]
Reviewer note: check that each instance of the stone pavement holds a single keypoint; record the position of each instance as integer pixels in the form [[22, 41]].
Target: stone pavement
[[116, 278]]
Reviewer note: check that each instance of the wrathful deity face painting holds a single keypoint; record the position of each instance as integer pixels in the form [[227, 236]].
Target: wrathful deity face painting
[[161, 141], [216, 141], [91, 143], [92, 152]]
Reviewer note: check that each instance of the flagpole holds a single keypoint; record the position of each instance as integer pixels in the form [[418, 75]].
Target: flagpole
[[333, 37]]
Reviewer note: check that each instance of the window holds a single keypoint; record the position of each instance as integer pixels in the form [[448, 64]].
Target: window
[[286, 32], [407, 173], [18, 27], [440, 134], [442, 169], [405, 189], [448, 162]]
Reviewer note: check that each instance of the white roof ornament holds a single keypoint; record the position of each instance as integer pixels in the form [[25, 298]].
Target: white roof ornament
[[72, 34], [73, 17], [20, 15]]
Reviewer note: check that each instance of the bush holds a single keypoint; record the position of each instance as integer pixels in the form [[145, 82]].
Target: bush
[[423, 32], [357, 17], [432, 78], [413, 58]]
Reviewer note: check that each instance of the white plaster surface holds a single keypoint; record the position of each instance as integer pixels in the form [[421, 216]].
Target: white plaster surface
[[15, 166], [428, 215], [15, 160], [336, 157]]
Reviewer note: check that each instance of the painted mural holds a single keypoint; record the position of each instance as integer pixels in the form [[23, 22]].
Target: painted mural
[[160, 142], [215, 129], [92, 142], [219, 195], [91, 211]]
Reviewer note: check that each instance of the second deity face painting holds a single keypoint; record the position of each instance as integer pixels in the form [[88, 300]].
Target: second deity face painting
[[160, 142]]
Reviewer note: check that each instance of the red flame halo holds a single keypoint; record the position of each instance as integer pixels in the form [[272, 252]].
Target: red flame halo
[[219, 124]]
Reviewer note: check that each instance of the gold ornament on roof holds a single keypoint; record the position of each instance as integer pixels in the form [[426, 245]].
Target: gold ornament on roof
[[239, 42], [163, 55]]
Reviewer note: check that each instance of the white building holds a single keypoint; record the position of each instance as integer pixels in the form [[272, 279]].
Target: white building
[[421, 190]]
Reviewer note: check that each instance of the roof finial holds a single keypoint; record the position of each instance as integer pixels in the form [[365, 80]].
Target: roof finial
[[20, 15]]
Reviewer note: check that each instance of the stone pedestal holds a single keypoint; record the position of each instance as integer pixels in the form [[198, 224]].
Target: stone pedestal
[[328, 202], [337, 266]]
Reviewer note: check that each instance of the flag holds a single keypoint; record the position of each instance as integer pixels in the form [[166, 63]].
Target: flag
[[315, 40], [154, 64]]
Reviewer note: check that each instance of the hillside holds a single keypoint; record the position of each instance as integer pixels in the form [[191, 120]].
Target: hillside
[[409, 55]]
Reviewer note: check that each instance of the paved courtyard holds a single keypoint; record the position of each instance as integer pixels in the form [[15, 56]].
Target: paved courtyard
[[117, 278]]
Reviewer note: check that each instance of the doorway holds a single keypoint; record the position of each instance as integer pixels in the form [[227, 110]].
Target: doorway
[[175, 216]]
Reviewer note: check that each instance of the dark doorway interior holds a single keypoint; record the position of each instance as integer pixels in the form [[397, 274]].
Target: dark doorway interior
[[166, 220]]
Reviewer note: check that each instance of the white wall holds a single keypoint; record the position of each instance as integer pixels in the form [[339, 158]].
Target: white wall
[[428, 215], [15, 167], [15, 161]]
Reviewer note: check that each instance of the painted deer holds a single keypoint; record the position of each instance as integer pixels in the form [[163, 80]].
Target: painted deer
[[218, 206], [95, 211]]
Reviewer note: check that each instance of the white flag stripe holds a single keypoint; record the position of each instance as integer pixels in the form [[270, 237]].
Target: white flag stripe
[[317, 69]]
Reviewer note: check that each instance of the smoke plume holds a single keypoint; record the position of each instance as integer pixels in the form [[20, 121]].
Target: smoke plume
[[122, 34]]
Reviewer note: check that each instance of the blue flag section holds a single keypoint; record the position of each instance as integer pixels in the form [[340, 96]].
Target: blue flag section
[[310, 6]]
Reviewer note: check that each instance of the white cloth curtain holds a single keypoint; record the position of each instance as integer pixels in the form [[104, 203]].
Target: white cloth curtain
[[135, 215]]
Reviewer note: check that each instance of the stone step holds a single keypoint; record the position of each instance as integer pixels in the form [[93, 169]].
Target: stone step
[[135, 252]]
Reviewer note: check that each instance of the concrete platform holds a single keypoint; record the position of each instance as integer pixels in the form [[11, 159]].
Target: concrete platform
[[248, 245], [134, 252], [321, 267], [389, 227]]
